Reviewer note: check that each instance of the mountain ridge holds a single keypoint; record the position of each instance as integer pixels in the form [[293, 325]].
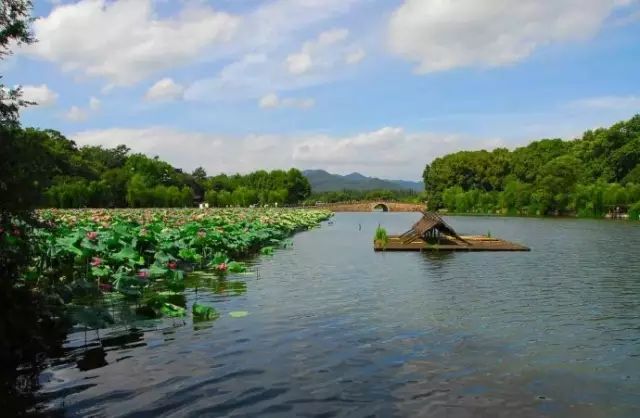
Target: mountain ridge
[[323, 181]]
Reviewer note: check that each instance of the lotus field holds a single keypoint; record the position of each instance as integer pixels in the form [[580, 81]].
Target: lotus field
[[142, 255]]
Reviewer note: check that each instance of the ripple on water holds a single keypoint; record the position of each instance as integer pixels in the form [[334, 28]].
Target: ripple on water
[[335, 329]]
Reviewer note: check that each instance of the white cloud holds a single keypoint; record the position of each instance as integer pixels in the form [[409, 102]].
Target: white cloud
[[355, 57], [165, 90], [273, 23], [42, 95], [388, 152], [95, 104], [76, 114], [272, 101], [269, 101], [441, 35], [80, 114], [124, 41], [299, 63], [316, 52], [257, 74], [622, 103]]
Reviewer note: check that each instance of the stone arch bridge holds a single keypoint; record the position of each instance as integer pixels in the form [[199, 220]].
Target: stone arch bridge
[[378, 205]]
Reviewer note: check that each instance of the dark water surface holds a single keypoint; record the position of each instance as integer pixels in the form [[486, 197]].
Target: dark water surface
[[334, 329]]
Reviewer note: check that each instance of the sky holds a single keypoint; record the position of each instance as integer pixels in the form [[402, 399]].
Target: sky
[[381, 87]]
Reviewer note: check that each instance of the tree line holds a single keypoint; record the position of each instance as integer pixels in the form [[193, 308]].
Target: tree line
[[365, 195], [96, 176], [590, 176]]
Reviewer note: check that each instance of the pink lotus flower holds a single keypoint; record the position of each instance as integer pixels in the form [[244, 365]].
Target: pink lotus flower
[[143, 274], [91, 236], [222, 267], [105, 287], [96, 261], [172, 265]]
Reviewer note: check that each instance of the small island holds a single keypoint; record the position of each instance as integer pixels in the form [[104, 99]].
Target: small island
[[432, 233]]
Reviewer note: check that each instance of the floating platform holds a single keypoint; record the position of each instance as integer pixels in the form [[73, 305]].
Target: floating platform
[[432, 233], [473, 243]]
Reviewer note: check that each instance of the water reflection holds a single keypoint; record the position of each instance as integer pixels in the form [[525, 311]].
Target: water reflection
[[336, 329]]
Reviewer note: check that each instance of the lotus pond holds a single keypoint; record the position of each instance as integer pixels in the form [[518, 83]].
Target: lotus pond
[[136, 260], [328, 327]]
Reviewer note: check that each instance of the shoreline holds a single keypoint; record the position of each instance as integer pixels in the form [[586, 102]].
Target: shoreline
[[496, 215]]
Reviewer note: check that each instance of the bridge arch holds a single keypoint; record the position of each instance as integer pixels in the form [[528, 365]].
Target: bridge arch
[[380, 207]]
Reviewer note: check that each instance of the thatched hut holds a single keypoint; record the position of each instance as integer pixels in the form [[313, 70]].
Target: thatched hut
[[432, 228]]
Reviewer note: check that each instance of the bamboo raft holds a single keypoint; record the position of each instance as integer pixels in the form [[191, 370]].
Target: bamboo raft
[[432, 233]]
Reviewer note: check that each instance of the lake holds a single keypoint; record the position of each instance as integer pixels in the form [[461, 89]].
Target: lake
[[334, 329]]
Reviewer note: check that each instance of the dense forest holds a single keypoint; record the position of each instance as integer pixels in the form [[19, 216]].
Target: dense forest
[[588, 177], [358, 195], [94, 176]]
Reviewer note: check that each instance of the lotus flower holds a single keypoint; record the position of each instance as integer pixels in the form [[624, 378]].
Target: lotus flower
[[202, 233], [222, 267], [143, 275], [96, 261], [105, 287], [172, 265], [91, 236]]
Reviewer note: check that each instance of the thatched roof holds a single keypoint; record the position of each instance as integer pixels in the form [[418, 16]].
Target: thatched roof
[[431, 221]]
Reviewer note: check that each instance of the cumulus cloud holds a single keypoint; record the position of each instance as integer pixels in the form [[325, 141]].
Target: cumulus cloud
[[269, 101], [255, 75], [272, 101], [41, 95], [354, 57], [95, 104], [441, 35], [124, 41], [389, 152], [81, 114], [76, 114], [316, 52], [270, 25], [165, 90]]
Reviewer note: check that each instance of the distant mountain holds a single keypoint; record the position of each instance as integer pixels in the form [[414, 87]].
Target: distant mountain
[[322, 181]]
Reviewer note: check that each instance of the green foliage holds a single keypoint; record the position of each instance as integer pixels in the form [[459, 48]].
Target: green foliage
[[586, 177], [142, 253], [32, 319], [634, 212], [381, 237], [368, 195], [172, 311], [203, 313], [70, 177]]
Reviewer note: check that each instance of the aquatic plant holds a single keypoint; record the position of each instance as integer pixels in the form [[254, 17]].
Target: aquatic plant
[[144, 254], [203, 313], [381, 237]]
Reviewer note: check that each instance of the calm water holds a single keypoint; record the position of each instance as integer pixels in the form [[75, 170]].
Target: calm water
[[335, 329]]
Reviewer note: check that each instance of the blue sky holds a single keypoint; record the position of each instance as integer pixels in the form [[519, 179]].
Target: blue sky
[[379, 87]]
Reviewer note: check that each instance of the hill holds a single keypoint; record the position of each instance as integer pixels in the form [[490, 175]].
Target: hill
[[322, 181], [591, 176]]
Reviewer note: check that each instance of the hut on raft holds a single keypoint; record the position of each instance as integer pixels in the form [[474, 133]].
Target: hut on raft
[[432, 233]]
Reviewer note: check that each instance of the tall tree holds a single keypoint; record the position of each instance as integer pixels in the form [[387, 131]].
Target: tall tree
[[15, 16]]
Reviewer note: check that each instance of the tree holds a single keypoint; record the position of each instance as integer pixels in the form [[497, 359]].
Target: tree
[[14, 30], [28, 324], [199, 174], [298, 186]]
